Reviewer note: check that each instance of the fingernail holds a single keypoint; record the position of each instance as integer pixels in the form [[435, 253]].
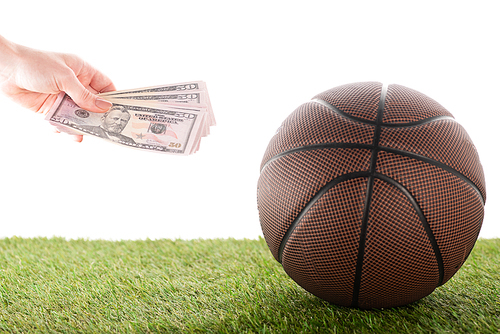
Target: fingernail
[[78, 138], [103, 104]]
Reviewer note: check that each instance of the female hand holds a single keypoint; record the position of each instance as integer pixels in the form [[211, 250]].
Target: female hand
[[34, 79]]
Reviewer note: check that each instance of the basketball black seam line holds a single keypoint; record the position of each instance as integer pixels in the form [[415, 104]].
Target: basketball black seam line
[[316, 147], [311, 203], [368, 199], [380, 148], [418, 123], [437, 164], [342, 113], [365, 121], [423, 220], [354, 145]]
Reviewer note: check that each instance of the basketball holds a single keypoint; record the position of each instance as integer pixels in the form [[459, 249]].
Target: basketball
[[371, 195]]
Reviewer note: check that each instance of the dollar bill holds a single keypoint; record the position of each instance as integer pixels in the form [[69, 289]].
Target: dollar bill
[[192, 94], [159, 105], [179, 87], [193, 99], [159, 128]]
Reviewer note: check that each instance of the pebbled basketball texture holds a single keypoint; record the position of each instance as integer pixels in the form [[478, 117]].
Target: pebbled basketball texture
[[371, 196]]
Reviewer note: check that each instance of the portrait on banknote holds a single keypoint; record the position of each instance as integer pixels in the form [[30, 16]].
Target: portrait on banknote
[[112, 124]]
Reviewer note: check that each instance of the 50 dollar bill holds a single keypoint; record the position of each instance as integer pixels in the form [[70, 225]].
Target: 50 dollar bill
[[166, 129]]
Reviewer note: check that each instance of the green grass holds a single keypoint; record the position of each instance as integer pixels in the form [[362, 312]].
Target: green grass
[[227, 286]]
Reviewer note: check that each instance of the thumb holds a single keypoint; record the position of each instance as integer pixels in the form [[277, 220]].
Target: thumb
[[84, 98]]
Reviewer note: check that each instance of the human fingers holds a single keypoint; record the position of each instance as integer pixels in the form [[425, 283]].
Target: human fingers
[[76, 137], [100, 83], [85, 83], [83, 97]]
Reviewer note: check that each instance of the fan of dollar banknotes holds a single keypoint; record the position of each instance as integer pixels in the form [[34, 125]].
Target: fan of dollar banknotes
[[168, 119]]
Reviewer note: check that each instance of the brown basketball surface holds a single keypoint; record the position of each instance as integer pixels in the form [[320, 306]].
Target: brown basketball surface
[[371, 196]]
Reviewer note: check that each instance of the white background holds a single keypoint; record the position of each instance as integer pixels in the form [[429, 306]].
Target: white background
[[261, 60]]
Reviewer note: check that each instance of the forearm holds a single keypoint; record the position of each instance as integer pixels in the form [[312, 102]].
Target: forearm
[[8, 58]]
